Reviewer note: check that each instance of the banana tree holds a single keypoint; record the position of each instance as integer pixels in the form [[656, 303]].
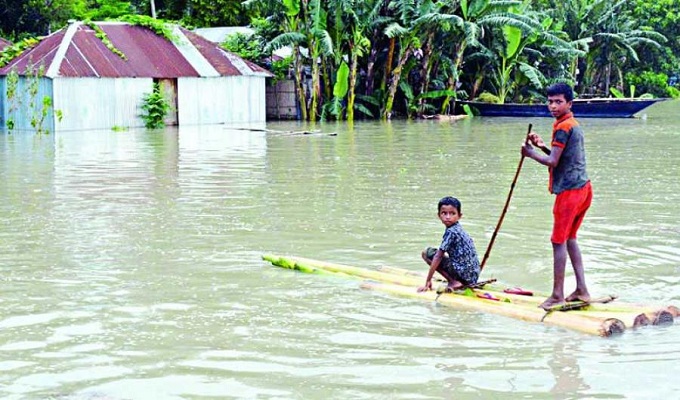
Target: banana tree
[[406, 29], [361, 17], [320, 45], [616, 39], [292, 24], [518, 41], [468, 23]]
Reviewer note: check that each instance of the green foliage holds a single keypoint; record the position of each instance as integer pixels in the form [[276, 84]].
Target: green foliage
[[673, 92], [204, 13], [468, 110], [616, 93], [487, 97], [160, 27], [101, 10], [245, 46], [11, 52], [155, 107], [650, 82], [280, 68], [12, 81], [341, 81], [37, 109]]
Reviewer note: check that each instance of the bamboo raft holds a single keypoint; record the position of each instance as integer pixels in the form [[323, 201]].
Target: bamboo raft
[[596, 318]]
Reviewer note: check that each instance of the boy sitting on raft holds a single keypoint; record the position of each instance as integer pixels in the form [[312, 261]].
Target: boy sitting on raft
[[456, 258]]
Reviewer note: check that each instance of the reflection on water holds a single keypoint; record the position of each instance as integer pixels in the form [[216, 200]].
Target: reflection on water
[[130, 269]]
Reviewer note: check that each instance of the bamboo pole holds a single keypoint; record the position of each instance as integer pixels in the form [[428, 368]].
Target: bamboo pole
[[505, 208]]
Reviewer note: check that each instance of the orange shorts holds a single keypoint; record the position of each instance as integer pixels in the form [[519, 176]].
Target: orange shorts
[[568, 212]]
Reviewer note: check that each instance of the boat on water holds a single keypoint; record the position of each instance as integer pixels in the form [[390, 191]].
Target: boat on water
[[601, 319], [582, 108]]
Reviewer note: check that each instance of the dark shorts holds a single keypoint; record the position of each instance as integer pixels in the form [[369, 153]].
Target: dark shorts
[[568, 213], [447, 266]]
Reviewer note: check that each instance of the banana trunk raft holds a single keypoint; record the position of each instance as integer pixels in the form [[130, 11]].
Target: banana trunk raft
[[604, 318]]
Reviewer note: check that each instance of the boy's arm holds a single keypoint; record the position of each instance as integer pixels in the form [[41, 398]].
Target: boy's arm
[[550, 159], [436, 260]]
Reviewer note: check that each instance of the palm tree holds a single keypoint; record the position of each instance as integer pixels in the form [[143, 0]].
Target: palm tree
[[288, 14], [608, 36], [406, 27], [615, 39], [319, 44], [359, 17]]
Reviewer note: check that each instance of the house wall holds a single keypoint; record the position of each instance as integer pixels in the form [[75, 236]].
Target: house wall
[[281, 100], [24, 107], [3, 94], [221, 100], [100, 103]]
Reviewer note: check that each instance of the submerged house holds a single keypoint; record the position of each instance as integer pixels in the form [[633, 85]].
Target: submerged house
[[281, 95], [96, 75]]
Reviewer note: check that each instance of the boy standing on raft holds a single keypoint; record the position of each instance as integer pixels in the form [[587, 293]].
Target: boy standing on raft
[[456, 258], [566, 162]]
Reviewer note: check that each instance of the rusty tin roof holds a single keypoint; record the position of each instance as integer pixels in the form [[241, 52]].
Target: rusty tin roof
[[76, 51]]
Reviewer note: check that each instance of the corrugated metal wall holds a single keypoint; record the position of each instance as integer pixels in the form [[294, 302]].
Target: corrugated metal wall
[[104, 103], [19, 109], [100, 103], [3, 95], [221, 100]]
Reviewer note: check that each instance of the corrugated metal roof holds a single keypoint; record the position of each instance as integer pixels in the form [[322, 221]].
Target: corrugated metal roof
[[77, 52], [42, 53], [224, 62]]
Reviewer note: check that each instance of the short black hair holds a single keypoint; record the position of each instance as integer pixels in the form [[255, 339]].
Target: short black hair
[[449, 201], [561, 88]]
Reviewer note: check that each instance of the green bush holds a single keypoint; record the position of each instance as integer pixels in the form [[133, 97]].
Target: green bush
[[155, 107], [487, 97], [245, 46], [649, 82], [673, 92]]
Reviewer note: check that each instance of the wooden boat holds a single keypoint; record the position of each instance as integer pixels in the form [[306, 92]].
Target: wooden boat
[[582, 108], [597, 319]]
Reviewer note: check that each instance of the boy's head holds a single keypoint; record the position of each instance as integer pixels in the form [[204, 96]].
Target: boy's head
[[449, 201], [449, 211], [560, 97], [561, 89]]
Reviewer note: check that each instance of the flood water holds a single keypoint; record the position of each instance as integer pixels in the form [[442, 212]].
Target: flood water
[[130, 262]]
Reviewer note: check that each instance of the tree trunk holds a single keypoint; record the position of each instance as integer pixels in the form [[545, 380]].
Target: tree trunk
[[424, 72], [372, 57], [388, 64], [328, 82], [352, 84], [607, 78], [453, 79], [316, 89], [394, 83], [298, 75]]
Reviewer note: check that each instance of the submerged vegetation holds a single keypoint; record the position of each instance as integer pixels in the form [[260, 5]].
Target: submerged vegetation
[[155, 108], [383, 58]]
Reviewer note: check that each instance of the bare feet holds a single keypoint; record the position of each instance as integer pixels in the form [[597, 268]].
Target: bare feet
[[579, 295], [455, 285], [551, 302]]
